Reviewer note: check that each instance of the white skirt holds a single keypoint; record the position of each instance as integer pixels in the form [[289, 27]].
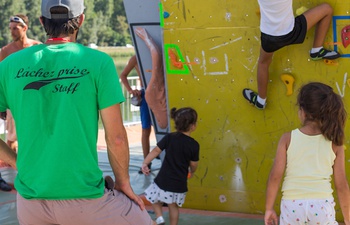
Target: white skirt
[[154, 194]]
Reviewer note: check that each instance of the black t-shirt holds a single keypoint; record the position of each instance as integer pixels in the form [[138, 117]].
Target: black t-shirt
[[180, 150]]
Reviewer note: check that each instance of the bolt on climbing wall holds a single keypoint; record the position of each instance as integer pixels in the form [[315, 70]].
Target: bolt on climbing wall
[[211, 51]]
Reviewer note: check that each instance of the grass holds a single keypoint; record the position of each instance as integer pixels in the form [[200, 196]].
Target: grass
[[121, 56], [118, 52]]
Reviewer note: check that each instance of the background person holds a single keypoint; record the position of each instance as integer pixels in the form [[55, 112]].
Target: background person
[[155, 92], [56, 95], [309, 156], [18, 27], [144, 111]]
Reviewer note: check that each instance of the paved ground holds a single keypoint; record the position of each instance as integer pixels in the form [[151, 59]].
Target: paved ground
[[139, 183], [134, 136]]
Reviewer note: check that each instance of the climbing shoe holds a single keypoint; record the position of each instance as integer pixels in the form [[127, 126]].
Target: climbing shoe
[[4, 186], [252, 97], [324, 54]]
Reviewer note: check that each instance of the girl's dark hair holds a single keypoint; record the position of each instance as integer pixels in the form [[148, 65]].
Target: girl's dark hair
[[57, 27], [322, 105], [184, 118]]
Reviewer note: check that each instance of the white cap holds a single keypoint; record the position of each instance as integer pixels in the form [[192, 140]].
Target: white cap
[[75, 8]]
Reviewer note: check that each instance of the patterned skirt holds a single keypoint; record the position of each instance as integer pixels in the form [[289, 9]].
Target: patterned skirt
[[154, 194]]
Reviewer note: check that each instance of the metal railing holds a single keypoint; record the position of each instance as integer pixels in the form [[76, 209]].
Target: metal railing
[[130, 113]]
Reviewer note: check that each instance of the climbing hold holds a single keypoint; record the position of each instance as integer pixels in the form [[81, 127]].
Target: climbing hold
[[174, 59], [301, 10], [348, 81], [166, 15], [257, 12], [176, 62], [330, 62], [345, 36], [288, 80]]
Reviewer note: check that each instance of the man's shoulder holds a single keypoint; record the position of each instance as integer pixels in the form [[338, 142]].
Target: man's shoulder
[[34, 42], [8, 45], [7, 50]]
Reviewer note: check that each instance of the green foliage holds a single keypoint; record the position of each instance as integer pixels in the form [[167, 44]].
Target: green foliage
[[105, 23]]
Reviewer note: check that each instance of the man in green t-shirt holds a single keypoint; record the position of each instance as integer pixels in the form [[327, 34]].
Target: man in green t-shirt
[[55, 92]]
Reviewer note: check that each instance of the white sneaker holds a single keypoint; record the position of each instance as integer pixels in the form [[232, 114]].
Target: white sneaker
[[160, 221]]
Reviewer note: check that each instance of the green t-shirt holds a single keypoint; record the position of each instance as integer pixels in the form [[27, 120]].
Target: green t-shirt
[[55, 93]]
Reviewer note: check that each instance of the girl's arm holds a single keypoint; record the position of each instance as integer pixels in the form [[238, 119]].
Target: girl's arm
[[193, 168], [153, 154], [341, 183], [275, 178]]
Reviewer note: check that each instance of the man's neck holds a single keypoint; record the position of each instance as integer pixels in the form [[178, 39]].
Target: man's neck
[[22, 43], [60, 39]]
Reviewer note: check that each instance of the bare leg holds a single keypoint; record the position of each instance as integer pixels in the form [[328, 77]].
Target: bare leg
[[264, 62], [321, 17], [173, 213], [158, 209], [146, 133], [155, 92]]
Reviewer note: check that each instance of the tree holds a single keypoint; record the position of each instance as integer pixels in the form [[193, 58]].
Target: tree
[[105, 22]]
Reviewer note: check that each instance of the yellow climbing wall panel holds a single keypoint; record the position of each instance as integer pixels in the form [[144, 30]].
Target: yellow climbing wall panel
[[211, 51]]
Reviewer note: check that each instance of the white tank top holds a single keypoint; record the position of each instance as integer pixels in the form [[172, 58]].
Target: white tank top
[[277, 17]]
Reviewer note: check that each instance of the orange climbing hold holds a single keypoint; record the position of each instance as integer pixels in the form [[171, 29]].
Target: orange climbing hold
[[174, 60]]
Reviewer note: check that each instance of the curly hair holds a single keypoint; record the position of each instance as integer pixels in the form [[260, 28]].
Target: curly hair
[[183, 118]]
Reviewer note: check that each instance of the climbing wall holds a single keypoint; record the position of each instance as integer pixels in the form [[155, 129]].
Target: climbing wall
[[211, 50]]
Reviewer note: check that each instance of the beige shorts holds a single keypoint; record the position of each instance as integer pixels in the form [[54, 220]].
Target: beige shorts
[[113, 208]]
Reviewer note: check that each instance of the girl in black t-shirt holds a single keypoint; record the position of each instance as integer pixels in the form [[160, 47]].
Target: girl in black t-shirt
[[180, 162]]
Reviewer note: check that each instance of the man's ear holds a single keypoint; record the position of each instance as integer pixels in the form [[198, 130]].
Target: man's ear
[[41, 20], [81, 19]]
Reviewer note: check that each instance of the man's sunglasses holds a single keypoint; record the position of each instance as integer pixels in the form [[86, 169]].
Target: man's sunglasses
[[17, 19]]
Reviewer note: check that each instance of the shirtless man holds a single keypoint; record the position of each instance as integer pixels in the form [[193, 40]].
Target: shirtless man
[[18, 27], [155, 92]]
